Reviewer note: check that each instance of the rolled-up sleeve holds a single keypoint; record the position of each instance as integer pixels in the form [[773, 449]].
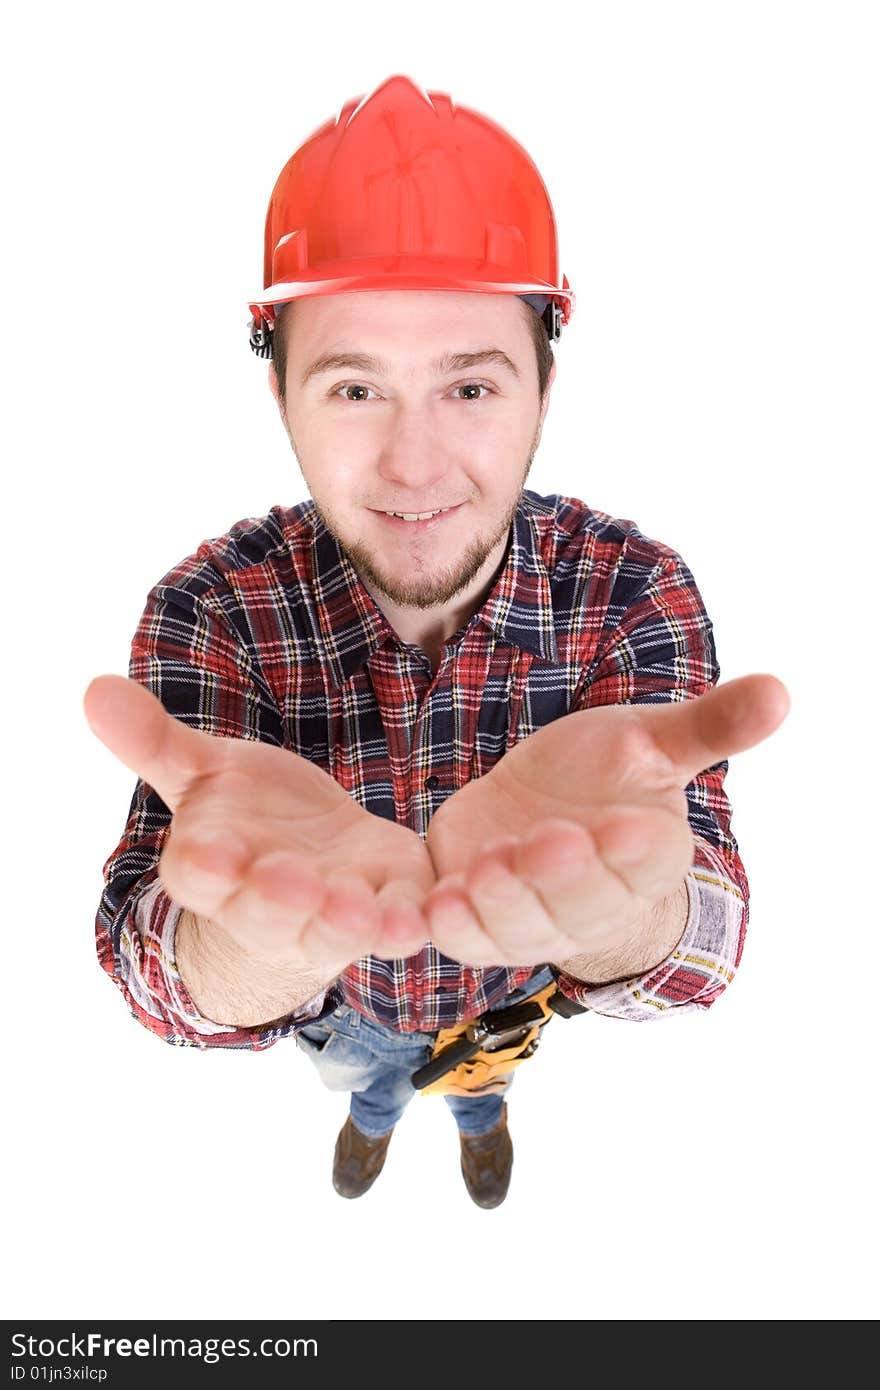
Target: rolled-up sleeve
[[663, 650], [187, 655]]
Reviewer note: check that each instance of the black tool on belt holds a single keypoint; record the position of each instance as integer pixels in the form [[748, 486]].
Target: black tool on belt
[[491, 1030]]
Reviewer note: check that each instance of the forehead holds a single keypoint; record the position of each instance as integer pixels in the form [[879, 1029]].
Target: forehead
[[360, 317]]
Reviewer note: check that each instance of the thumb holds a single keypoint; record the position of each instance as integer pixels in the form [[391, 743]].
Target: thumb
[[728, 719], [134, 724]]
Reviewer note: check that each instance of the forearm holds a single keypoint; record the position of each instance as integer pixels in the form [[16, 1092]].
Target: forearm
[[236, 987], [653, 936]]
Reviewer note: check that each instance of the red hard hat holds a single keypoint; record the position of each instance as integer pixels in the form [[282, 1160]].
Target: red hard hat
[[404, 190]]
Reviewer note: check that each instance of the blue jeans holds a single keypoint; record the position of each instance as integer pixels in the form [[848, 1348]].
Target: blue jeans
[[374, 1063]]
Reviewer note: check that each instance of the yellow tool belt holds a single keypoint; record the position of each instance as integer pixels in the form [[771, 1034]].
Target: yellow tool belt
[[490, 1047]]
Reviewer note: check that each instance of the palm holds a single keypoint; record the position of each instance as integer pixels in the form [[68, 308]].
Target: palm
[[270, 800]]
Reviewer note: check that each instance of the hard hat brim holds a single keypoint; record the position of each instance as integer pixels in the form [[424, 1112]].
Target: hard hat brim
[[387, 273]]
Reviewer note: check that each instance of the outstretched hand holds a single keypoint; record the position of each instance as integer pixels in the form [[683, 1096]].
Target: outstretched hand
[[265, 842], [576, 831]]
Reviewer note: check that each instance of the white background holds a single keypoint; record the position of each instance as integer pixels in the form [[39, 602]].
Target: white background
[[713, 169]]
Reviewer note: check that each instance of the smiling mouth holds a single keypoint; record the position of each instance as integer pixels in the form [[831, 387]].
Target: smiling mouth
[[417, 520], [418, 516]]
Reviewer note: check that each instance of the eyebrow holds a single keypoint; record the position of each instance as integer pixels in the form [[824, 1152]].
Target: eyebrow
[[449, 362]]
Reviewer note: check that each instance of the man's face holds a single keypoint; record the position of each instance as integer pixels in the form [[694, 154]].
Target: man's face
[[409, 433]]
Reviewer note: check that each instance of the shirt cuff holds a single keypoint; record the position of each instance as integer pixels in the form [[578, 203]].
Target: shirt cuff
[[158, 997], [701, 966]]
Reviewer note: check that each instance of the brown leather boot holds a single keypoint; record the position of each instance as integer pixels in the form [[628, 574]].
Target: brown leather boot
[[486, 1161], [358, 1160]]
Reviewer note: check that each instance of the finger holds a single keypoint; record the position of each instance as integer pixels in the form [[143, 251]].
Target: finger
[[649, 851], [561, 864], [489, 916], [203, 869], [139, 731], [563, 897], [455, 926], [276, 899], [526, 926], [404, 927], [728, 719], [348, 924]]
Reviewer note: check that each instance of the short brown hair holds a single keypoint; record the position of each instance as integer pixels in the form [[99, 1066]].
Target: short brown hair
[[534, 322]]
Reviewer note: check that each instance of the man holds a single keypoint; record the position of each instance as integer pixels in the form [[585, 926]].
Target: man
[[512, 694]]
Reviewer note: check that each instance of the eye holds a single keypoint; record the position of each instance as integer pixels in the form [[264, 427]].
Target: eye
[[474, 386], [350, 386]]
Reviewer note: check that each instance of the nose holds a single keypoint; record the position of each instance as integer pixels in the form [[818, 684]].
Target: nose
[[411, 456]]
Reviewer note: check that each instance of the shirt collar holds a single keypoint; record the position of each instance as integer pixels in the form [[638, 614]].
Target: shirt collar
[[519, 608]]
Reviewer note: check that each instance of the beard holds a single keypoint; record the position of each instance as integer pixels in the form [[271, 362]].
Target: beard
[[427, 587], [424, 590]]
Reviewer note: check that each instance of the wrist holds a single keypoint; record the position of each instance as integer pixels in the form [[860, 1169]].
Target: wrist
[[650, 939], [230, 984]]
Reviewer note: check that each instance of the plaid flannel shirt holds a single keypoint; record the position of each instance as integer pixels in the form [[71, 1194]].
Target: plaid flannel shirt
[[267, 633]]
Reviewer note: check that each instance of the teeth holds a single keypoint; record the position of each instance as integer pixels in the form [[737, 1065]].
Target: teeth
[[417, 516]]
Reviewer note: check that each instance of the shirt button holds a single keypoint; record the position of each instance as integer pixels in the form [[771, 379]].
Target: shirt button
[[432, 783]]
